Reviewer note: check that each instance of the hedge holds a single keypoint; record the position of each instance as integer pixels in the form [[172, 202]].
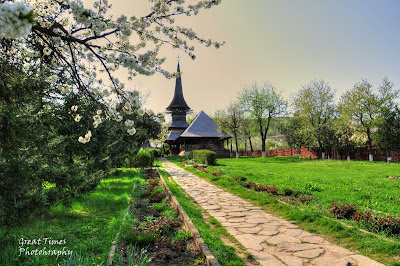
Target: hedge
[[204, 157]]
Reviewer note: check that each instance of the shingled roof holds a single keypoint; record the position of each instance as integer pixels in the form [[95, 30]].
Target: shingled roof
[[174, 135], [203, 126]]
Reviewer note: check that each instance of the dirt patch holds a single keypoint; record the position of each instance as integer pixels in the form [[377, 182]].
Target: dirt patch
[[394, 177]]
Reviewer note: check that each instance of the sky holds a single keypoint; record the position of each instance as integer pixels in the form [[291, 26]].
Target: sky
[[286, 42]]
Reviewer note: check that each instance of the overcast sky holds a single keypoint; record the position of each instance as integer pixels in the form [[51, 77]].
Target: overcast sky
[[288, 43]]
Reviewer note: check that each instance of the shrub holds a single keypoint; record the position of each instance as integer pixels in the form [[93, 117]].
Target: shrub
[[143, 159], [204, 156], [165, 150], [156, 152], [343, 211]]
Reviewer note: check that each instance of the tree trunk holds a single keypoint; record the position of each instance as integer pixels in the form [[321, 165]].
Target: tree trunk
[[348, 157], [237, 147], [309, 152], [371, 156], [245, 146], [251, 147], [299, 153], [323, 155], [264, 155], [389, 155]]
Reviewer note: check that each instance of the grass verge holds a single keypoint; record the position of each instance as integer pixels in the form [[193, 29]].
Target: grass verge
[[82, 233], [224, 254]]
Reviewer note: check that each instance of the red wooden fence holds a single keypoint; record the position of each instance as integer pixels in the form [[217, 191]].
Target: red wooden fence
[[359, 155]]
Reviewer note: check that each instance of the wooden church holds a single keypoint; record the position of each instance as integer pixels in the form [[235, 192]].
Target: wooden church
[[202, 133]]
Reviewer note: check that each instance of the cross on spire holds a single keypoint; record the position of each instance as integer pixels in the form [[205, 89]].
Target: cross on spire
[[178, 57]]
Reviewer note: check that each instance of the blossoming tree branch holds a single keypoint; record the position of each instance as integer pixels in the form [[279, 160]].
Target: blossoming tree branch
[[82, 46]]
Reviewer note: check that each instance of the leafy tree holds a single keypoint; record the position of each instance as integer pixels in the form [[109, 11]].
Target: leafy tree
[[361, 107], [345, 139], [263, 103], [387, 135], [297, 135], [314, 103], [231, 121], [41, 161], [86, 45]]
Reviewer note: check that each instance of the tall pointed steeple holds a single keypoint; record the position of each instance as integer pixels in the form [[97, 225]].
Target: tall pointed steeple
[[178, 101], [178, 107]]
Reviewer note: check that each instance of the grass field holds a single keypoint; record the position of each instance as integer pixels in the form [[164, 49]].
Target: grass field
[[361, 183], [364, 184], [85, 230]]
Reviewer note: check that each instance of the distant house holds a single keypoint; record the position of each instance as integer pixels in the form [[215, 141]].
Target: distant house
[[202, 133]]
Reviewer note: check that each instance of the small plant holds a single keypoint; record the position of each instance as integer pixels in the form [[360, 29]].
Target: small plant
[[343, 211], [132, 236], [137, 256], [216, 174], [182, 236], [160, 207], [149, 218], [151, 184], [143, 204], [156, 198], [305, 199], [168, 213], [163, 225], [288, 191]]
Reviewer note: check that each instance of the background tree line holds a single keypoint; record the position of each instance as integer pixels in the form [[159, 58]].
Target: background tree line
[[362, 117]]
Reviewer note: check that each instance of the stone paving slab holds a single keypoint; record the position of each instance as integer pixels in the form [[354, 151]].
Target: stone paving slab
[[270, 239]]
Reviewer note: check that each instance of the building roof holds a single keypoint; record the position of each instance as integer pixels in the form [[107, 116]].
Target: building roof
[[204, 126], [174, 135], [178, 102], [178, 124]]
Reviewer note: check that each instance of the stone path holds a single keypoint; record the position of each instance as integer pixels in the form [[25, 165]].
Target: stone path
[[271, 240]]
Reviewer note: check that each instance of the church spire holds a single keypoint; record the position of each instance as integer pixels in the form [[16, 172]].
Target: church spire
[[178, 102]]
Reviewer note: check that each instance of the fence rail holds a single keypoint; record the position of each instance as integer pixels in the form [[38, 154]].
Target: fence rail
[[360, 154]]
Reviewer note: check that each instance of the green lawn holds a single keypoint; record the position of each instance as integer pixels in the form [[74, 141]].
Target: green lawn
[[364, 184], [86, 229], [361, 183]]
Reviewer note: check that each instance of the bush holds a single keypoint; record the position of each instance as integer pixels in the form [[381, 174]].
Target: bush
[[204, 156], [343, 211], [143, 159], [165, 150], [156, 153]]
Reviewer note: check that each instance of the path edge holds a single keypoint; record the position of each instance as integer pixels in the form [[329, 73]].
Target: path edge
[[210, 259]]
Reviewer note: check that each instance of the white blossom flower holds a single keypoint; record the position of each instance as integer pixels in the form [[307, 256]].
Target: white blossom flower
[[16, 19], [127, 108], [74, 108], [129, 123], [52, 79], [99, 112], [86, 138], [96, 121], [77, 118], [118, 118], [131, 131]]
